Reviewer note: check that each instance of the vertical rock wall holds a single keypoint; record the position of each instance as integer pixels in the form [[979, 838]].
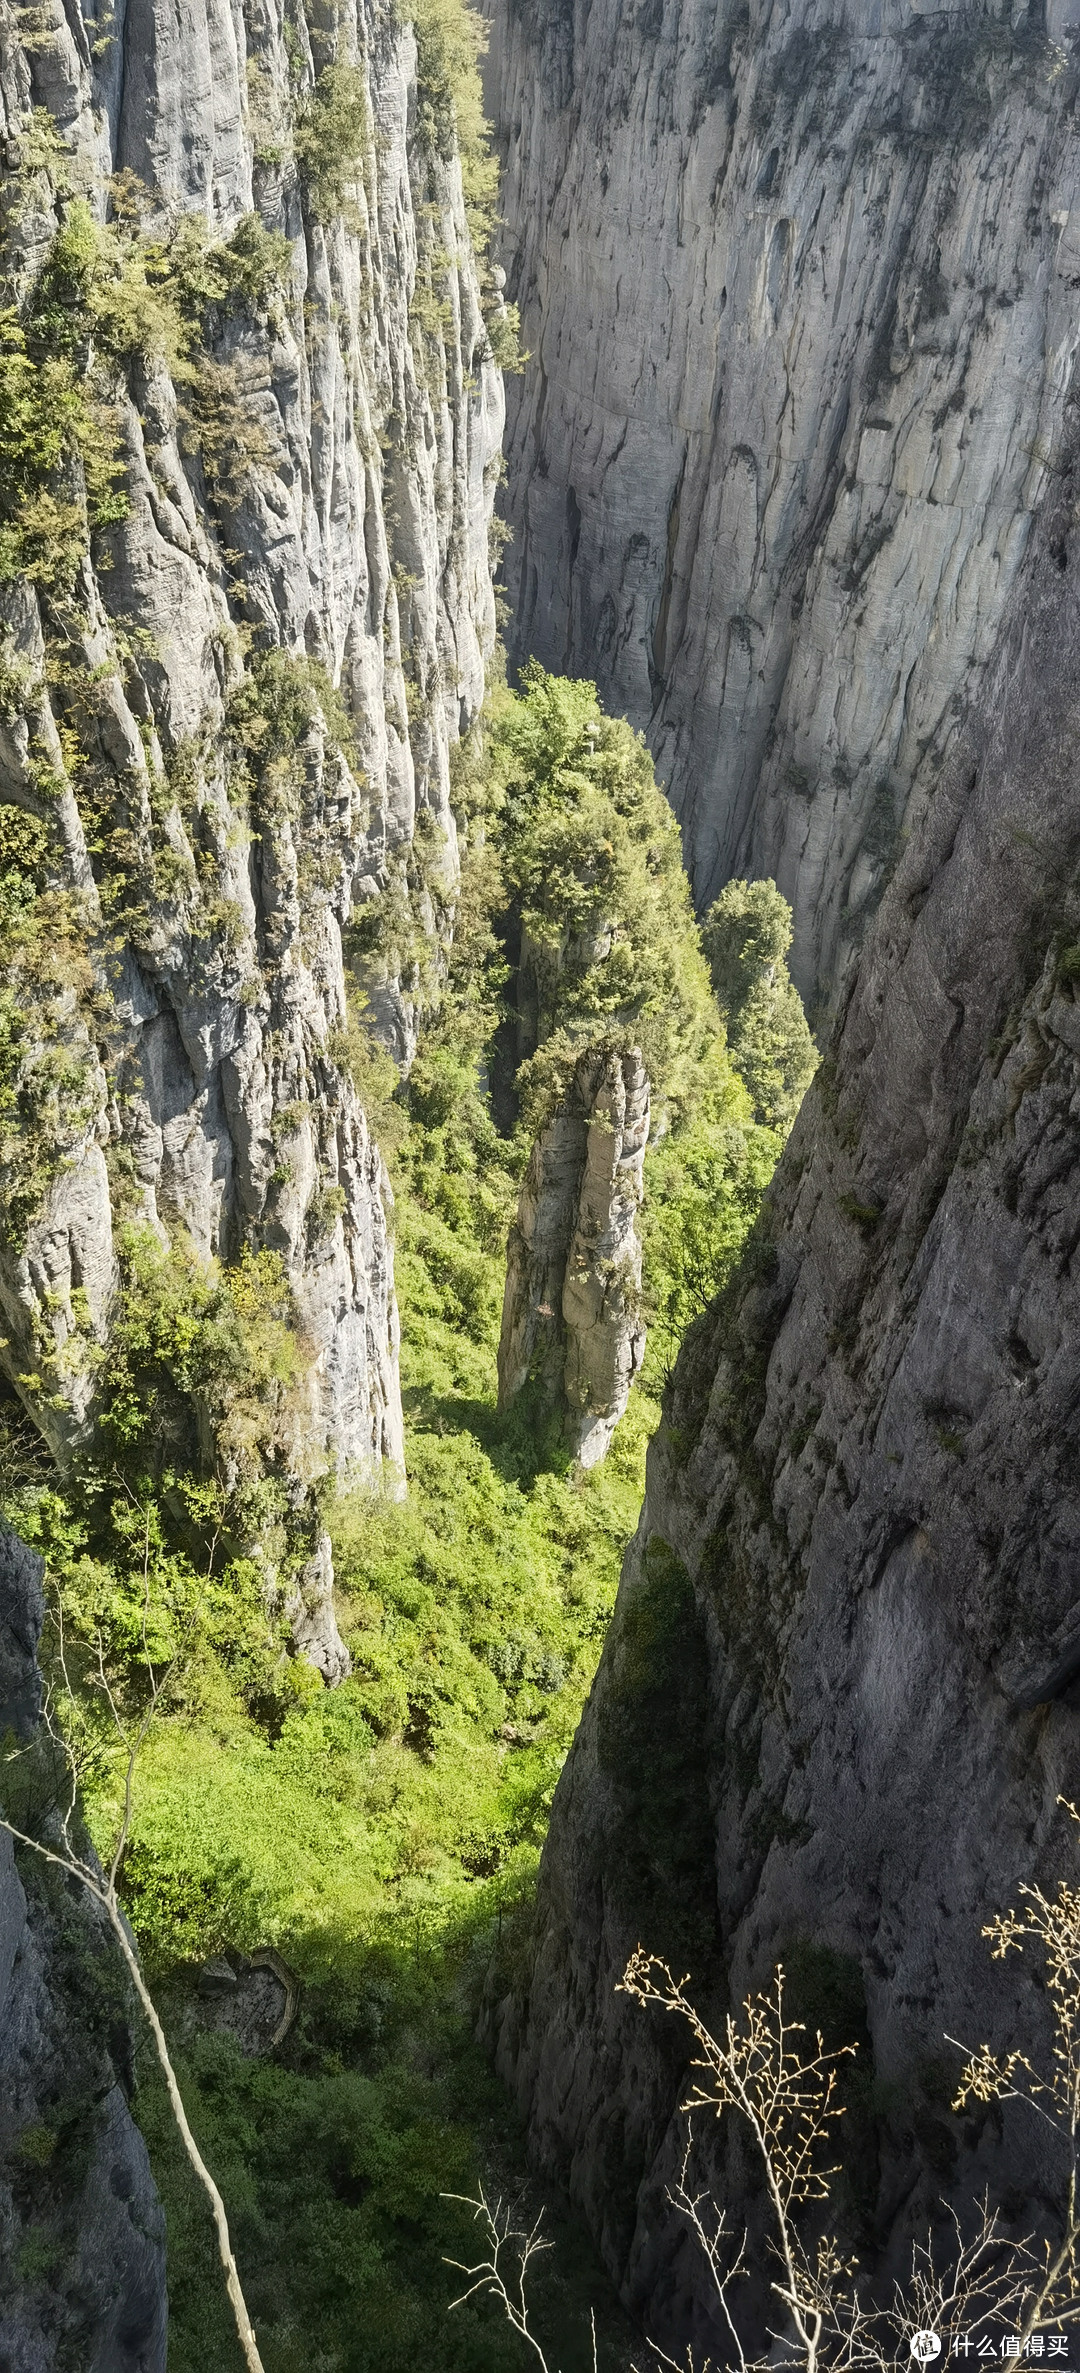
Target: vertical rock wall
[[799, 286], [837, 1712], [341, 521]]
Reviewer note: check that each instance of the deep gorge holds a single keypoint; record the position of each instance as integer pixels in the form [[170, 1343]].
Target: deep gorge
[[408, 1166]]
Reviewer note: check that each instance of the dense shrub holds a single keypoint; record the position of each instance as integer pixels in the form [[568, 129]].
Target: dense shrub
[[600, 904], [107, 297], [329, 138], [746, 936], [601, 943]]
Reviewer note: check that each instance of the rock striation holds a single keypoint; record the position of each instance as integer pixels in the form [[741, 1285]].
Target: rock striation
[[235, 721], [571, 1323], [799, 287], [837, 1713], [82, 2236]]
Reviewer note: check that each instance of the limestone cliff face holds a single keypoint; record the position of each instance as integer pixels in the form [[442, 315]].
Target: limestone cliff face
[[838, 1705], [799, 285], [82, 2236], [572, 1305], [236, 720]]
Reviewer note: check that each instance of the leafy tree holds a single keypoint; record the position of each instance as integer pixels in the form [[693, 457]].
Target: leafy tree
[[598, 900], [746, 936], [329, 138]]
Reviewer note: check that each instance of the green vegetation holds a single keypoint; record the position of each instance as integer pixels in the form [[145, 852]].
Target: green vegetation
[[575, 928], [329, 136], [413, 1798], [451, 38], [450, 41], [47, 991], [59, 460], [746, 937], [593, 878], [106, 297], [704, 1183], [109, 296], [598, 915]]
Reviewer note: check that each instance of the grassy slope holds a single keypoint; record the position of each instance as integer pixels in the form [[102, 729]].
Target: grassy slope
[[380, 1841]]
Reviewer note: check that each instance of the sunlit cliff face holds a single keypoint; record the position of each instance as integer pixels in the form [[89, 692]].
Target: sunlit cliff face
[[798, 291]]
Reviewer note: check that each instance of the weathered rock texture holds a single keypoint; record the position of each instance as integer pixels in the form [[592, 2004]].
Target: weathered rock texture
[[209, 1086], [82, 2237], [839, 1702], [571, 1321], [799, 285]]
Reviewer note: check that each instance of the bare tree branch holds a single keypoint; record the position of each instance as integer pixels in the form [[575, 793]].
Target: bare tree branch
[[489, 2277]]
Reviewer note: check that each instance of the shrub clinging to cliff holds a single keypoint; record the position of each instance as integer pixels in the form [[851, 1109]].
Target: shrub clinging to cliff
[[746, 936]]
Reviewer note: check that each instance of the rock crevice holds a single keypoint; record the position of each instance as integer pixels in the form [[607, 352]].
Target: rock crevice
[[82, 2236]]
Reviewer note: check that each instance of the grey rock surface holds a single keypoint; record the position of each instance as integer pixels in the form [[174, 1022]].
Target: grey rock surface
[[571, 1321], [839, 1704], [252, 1998], [82, 2236], [213, 1096], [311, 1612], [799, 284]]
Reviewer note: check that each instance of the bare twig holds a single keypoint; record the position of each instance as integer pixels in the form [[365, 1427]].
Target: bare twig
[[1053, 1924], [783, 2084], [490, 2277]]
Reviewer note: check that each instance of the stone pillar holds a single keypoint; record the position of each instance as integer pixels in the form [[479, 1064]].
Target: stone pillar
[[572, 1308]]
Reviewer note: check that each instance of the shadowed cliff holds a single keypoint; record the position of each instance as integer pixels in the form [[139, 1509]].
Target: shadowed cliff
[[838, 1703]]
